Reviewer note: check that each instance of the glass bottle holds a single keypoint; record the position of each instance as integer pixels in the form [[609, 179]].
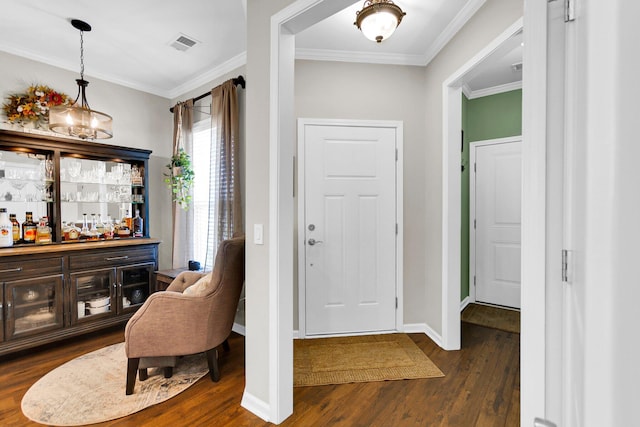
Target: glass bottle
[[84, 231], [94, 234], [100, 227], [138, 225], [29, 229], [15, 228], [6, 229], [74, 232], [108, 228], [43, 231]]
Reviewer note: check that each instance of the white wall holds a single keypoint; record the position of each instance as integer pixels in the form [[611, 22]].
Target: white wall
[[140, 120], [343, 90]]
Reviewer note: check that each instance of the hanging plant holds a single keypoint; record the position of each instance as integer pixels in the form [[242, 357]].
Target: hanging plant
[[180, 178]]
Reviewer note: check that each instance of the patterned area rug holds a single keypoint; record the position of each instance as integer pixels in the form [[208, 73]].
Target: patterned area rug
[[90, 388], [342, 360], [492, 317]]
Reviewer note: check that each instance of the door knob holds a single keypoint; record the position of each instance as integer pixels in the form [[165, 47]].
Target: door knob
[[314, 242]]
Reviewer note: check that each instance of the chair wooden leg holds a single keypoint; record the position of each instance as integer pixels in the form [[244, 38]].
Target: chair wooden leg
[[143, 374], [168, 371], [212, 361], [225, 345], [132, 367]]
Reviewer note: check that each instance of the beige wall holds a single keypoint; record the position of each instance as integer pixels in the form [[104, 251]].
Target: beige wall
[[259, 14], [140, 120], [340, 90], [489, 22]]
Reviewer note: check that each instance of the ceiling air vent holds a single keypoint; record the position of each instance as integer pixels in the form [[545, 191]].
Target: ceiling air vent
[[517, 66], [183, 42]]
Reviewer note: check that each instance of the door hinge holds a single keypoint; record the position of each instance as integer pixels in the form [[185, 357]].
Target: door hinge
[[474, 223], [474, 280], [396, 154], [474, 167], [396, 302], [569, 10], [566, 261], [396, 229], [539, 422]]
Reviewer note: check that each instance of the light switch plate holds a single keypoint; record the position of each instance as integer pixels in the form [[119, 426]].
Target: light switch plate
[[258, 238]]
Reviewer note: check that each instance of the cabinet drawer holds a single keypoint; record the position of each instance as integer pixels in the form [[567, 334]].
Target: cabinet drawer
[[111, 258], [25, 268]]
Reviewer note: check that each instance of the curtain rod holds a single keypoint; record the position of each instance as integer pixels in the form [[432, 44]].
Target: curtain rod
[[236, 81]]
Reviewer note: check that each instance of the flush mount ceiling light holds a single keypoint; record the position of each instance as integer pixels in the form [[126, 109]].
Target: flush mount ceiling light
[[79, 119], [378, 19]]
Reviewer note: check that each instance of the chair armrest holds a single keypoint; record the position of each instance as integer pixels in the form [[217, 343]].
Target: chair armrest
[[184, 280]]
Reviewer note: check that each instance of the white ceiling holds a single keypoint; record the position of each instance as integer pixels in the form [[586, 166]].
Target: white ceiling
[[130, 40]]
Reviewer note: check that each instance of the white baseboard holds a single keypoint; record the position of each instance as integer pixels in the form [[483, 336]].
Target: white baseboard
[[256, 406], [239, 329], [465, 302], [423, 328], [296, 334]]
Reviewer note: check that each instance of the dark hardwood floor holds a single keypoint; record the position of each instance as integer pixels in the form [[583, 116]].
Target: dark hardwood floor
[[481, 387]]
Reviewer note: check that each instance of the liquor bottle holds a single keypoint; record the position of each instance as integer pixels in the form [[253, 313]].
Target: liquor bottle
[[94, 234], [29, 229], [16, 228], [84, 231], [108, 228], [138, 225], [128, 220], [43, 231], [100, 227], [6, 229], [74, 232]]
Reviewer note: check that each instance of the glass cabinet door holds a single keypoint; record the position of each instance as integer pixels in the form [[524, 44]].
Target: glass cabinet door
[[1, 313], [134, 286], [94, 294], [33, 305], [27, 185]]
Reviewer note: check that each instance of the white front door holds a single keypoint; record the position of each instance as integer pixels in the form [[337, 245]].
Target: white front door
[[496, 198], [349, 228]]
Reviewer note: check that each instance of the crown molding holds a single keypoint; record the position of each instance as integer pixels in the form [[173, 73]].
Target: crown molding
[[452, 29], [222, 69], [507, 87], [362, 57]]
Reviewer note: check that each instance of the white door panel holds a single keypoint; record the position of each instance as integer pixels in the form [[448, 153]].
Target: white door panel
[[497, 218], [350, 213]]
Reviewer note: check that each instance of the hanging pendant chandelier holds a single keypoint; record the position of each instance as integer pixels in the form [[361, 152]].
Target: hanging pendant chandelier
[[378, 19], [79, 119]]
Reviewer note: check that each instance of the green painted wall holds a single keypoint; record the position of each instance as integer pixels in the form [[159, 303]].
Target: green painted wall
[[489, 117]]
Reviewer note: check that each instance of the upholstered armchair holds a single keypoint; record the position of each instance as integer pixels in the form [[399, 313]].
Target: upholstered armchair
[[195, 314]]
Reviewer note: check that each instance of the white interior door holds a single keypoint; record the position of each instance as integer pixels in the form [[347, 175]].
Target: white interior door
[[496, 195], [350, 229]]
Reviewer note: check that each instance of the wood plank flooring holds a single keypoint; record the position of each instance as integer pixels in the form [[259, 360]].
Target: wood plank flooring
[[481, 388]]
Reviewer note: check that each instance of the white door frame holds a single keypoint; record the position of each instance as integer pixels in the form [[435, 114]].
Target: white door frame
[[472, 206], [451, 192], [300, 15], [398, 127]]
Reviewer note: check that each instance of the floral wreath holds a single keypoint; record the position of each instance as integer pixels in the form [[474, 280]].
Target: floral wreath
[[33, 106]]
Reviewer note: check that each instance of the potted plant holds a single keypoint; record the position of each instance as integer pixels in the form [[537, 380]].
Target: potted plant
[[180, 178]]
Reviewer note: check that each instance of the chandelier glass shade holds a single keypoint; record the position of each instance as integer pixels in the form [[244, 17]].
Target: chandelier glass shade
[[378, 19], [79, 120]]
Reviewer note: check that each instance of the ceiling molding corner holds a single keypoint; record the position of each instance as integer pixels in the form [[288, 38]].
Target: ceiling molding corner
[[507, 87], [466, 90], [224, 68], [360, 57], [452, 29]]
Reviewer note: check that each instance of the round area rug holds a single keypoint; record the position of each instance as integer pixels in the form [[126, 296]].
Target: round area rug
[[91, 388]]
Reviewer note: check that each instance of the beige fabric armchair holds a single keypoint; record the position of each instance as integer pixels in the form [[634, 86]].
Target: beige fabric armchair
[[195, 314]]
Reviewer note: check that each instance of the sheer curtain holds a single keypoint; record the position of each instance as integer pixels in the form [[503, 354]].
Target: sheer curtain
[[225, 204], [182, 250]]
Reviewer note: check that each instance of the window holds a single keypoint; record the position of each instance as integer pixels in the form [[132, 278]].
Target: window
[[203, 138]]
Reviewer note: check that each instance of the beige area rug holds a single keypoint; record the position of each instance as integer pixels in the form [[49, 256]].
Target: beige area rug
[[343, 360], [492, 317], [91, 388]]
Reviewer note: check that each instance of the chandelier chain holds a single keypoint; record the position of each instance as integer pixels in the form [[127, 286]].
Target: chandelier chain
[[81, 55]]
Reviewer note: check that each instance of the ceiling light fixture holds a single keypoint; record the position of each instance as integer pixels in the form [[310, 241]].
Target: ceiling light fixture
[[378, 19], [79, 119]]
